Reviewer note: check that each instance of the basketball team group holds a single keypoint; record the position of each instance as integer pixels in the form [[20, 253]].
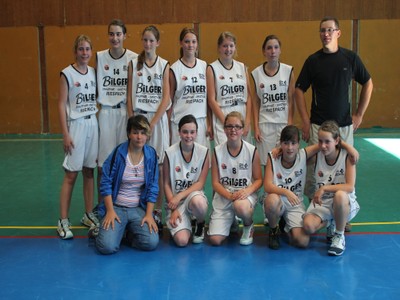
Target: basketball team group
[[153, 131]]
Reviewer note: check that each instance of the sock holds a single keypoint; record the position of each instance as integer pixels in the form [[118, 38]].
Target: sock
[[339, 232]]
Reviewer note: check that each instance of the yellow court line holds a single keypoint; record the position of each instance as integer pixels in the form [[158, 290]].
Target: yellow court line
[[375, 223], [256, 225]]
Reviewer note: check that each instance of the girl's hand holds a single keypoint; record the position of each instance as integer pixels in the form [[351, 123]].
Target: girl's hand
[[173, 204], [318, 197], [292, 198], [175, 218], [276, 152], [150, 222], [68, 144], [109, 220]]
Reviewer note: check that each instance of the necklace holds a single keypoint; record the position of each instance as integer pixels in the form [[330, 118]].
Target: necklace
[[135, 161]]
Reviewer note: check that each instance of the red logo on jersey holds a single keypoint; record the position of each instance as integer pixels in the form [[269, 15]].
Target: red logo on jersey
[[178, 169], [262, 85], [106, 67], [77, 84], [221, 77], [320, 174], [184, 78], [223, 166], [279, 175], [139, 73]]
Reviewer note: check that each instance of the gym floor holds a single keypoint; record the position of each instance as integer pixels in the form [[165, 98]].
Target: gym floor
[[36, 264]]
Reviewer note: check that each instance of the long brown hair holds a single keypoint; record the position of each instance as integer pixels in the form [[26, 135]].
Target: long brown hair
[[153, 29]]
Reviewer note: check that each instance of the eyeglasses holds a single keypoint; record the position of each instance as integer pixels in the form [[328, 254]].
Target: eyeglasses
[[231, 127], [328, 30]]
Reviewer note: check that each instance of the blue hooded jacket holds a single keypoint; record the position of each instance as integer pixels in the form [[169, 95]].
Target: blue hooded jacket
[[113, 170]]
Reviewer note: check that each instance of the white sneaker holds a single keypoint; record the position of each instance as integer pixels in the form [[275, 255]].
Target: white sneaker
[[247, 236], [338, 245], [90, 220], [64, 230]]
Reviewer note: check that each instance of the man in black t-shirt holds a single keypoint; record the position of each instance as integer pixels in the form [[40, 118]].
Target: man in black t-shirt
[[330, 72]]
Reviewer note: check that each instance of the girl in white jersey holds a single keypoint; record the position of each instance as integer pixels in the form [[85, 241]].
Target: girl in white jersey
[[273, 97], [188, 88], [228, 88], [236, 178], [77, 111], [185, 170], [284, 181], [334, 201], [148, 95], [112, 78]]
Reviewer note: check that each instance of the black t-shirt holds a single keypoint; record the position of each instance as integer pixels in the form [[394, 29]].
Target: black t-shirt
[[330, 75]]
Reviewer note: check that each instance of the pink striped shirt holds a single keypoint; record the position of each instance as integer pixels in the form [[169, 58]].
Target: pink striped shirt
[[131, 185]]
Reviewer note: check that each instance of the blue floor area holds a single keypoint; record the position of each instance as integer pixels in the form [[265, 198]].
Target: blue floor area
[[49, 268]]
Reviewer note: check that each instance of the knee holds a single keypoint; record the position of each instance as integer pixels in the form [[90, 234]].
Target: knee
[[150, 243], [181, 241], [272, 205], [301, 241], [199, 204], [308, 226], [106, 248], [216, 240], [341, 198]]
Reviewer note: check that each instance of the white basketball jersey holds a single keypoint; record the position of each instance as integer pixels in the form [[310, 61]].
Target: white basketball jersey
[[294, 178], [327, 175], [230, 85], [191, 90], [81, 92], [112, 77], [236, 172], [273, 93], [147, 85], [183, 174]]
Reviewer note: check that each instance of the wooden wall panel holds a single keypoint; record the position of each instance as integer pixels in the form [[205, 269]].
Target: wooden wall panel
[[299, 40], [20, 87], [59, 52], [99, 12], [379, 49], [31, 13]]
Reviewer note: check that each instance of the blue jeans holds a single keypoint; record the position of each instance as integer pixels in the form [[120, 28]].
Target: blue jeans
[[108, 241]]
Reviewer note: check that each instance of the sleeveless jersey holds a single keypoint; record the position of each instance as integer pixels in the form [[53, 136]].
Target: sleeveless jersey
[[147, 85], [235, 172], [81, 92], [335, 174], [273, 93], [112, 77], [183, 174], [293, 178], [191, 91], [230, 85]]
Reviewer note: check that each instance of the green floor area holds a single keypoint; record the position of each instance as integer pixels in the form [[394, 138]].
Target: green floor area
[[31, 176]]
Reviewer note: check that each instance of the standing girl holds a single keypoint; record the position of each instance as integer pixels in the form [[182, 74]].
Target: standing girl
[[273, 100], [148, 95], [236, 178], [185, 170], [227, 88], [334, 201], [112, 73], [77, 111], [188, 88]]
